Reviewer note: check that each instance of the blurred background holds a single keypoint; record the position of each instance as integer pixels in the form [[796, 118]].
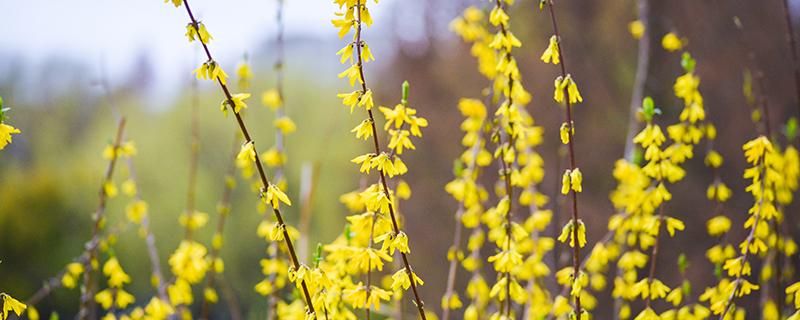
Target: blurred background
[[55, 57]]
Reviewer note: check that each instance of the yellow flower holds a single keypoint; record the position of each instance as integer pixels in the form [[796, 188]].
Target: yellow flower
[[5, 134], [576, 179], [392, 242], [745, 288], [210, 70], [366, 100], [346, 53], [363, 130], [718, 225], [199, 32], [794, 291], [352, 73], [756, 148], [505, 40], [498, 16], [273, 157], [400, 279], [189, 262], [11, 304], [636, 28], [136, 211], [671, 42], [506, 260], [275, 195], [158, 309], [674, 224], [565, 182], [350, 99], [647, 314], [713, 159], [285, 125], [399, 140], [129, 188], [568, 233], [551, 53], [451, 301], [564, 132], [563, 84], [110, 189], [176, 3], [247, 152], [367, 259], [572, 90], [236, 103], [116, 276], [193, 221], [272, 99]]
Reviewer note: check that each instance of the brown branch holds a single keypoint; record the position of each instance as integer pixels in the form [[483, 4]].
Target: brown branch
[[576, 257], [262, 174], [642, 73], [88, 305], [395, 226]]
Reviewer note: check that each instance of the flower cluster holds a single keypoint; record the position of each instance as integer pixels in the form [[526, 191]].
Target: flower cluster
[[376, 217]]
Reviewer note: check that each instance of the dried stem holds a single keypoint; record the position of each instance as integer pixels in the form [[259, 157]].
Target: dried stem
[[395, 225], [88, 304], [262, 174]]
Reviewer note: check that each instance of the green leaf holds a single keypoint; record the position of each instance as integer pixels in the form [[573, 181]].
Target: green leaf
[[405, 92], [683, 263], [687, 62], [790, 130]]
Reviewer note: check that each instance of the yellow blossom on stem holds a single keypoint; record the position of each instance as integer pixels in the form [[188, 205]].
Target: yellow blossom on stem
[[551, 53], [275, 195], [198, 32], [636, 28], [671, 42]]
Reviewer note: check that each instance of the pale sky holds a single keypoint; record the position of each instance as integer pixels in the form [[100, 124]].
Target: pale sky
[[117, 32]]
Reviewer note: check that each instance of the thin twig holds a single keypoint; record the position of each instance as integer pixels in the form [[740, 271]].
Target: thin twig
[[262, 174], [88, 304], [395, 225], [576, 257]]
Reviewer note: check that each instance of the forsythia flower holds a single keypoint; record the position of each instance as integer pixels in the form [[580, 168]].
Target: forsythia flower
[[198, 32], [572, 180], [671, 42], [568, 233], [285, 125], [564, 133], [275, 195], [188, 262], [210, 70], [563, 84], [5, 134], [10, 304], [272, 99], [552, 52], [636, 28], [247, 152], [236, 103]]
